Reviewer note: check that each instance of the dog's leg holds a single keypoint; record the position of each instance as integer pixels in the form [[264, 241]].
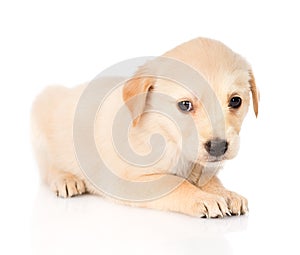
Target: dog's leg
[[237, 204], [65, 184], [188, 199]]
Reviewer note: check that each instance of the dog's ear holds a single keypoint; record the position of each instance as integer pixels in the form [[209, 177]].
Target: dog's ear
[[135, 93], [254, 91]]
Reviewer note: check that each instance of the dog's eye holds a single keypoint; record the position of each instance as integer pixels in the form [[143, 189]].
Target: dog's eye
[[235, 102], [185, 106]]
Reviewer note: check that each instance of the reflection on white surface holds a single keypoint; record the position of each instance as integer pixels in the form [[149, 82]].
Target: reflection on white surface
[[89, 225]]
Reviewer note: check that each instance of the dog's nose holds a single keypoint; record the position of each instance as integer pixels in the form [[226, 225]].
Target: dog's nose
[[216, 147]]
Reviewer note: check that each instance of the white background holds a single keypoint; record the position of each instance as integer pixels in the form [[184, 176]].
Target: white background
[[69, 42]]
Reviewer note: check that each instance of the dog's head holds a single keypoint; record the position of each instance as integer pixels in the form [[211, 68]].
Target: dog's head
[[217, 110]]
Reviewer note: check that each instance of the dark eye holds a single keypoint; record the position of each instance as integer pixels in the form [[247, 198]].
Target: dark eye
[[235, 102], [185, 106]]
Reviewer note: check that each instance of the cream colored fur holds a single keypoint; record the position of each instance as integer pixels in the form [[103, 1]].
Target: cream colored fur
[[199, 193]]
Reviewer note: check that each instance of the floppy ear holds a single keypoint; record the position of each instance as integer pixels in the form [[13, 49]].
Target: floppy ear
[[135, 93], [254, 91]]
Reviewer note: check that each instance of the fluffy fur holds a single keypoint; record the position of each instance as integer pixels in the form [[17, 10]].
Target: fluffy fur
[[199, 193]]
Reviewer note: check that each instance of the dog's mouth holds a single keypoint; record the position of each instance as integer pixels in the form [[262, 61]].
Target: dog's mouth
[[214, 161], [211, 160]]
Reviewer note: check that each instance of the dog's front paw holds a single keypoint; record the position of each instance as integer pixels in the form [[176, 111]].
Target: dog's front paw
[[67, 185], [237, 204], [211, 206]]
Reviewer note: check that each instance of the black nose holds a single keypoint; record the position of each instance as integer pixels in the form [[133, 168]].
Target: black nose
[[216, 147]]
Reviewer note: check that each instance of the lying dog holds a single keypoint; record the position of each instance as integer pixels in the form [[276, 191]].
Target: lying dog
[[204, 134]]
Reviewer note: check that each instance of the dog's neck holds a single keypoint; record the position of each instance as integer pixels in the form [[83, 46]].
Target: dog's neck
[[201, 174]]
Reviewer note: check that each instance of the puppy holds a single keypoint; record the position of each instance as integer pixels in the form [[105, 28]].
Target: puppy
[[160, 142]]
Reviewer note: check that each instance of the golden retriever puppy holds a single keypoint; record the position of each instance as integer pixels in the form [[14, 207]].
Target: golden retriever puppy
[[156, 140]]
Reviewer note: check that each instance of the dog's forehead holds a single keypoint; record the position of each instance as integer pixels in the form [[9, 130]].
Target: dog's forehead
[[224, 82], [222, 69], [219, 85], [190, 91]]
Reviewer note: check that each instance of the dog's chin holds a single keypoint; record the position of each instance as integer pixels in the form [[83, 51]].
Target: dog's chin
[[212, 161]]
